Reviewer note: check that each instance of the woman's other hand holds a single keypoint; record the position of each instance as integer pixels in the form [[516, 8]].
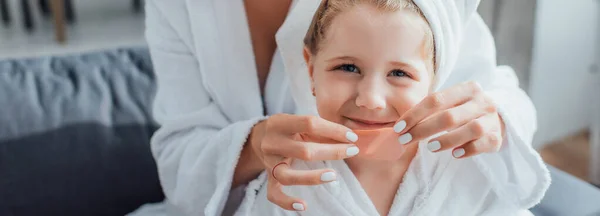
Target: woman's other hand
[[284, 137], [473, 124]]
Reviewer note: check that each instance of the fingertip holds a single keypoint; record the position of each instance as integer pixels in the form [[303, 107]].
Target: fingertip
[[434, 146], [351, 136], [352, 151], [458, 152], [405, 138], [328, 176], [286, 202], [298, 206], [400, 126]]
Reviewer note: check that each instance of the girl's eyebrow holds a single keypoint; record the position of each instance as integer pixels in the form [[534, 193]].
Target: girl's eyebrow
[[348, 58]]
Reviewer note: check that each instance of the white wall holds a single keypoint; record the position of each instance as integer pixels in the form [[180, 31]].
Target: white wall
[[564, 50]]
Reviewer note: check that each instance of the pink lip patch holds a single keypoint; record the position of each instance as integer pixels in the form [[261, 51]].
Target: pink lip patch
[[380, 144]]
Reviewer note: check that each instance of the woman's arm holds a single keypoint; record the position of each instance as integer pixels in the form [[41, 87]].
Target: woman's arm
[[197, 149]]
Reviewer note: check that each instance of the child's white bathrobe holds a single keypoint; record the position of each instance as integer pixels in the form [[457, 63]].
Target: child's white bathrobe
[[504, 183], [208, 99]]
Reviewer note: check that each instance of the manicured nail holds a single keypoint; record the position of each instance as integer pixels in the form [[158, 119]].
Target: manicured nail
[[328, 176], [405, 138], [434, 146], [352, 151], [351, 136], [398, 127], [298, 206], [459, 152]]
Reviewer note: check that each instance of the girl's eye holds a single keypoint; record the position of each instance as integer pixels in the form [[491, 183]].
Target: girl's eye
[[348, 67], [398, 73]]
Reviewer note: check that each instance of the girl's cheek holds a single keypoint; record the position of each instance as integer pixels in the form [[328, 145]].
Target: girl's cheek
[[409, 98], [333, 92]]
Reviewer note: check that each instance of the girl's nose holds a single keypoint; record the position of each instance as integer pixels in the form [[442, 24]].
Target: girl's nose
[[371, 95]]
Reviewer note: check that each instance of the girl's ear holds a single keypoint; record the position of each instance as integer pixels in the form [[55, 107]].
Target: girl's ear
[[308, 58]]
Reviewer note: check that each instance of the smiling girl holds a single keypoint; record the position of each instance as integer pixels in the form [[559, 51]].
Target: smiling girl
[[371, 63]]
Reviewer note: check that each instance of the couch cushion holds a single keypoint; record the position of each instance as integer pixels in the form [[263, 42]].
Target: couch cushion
[[74, 134], [568, 195]]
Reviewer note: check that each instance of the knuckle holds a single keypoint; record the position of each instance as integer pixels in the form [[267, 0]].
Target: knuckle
[[480, 99], [308, 122], [487, 103], [271, 123], [475, 87], [436, 100], [274, 121], [476, 145], [306, 154], [477, 128], [490, 108], [449, 118], [266, 146], [340, 154], [494, 139], [265, 149]]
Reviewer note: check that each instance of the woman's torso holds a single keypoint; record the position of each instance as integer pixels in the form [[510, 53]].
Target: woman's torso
[[263, 22]]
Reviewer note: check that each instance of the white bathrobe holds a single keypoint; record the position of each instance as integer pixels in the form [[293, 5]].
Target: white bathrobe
[[208, 99]]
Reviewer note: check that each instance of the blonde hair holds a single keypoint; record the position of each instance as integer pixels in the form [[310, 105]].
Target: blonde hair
[[331, 8]]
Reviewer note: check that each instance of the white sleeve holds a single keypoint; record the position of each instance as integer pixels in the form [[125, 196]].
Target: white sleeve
[[517, 172], [196, 148]]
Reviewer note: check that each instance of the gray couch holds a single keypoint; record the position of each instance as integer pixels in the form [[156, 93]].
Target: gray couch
[[569, 196], [74, 134]]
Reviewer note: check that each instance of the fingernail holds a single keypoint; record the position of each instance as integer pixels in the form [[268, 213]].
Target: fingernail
[[351, 136], [398, 127], [434, 146], [298, 206], [459, 152], [405, 138], [352, 151], [328, 176]]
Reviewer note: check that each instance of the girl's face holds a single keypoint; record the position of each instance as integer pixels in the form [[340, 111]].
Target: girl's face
[[371, 67]]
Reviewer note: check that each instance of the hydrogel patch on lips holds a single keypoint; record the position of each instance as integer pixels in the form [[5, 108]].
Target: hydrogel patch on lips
[[380, 144]]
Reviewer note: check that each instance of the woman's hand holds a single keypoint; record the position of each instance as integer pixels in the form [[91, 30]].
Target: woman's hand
[[286, 137], [464, 111]]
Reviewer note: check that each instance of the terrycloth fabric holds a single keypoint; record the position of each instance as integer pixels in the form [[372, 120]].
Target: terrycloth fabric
[[434, 184], [504, 183], [208, 99]]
